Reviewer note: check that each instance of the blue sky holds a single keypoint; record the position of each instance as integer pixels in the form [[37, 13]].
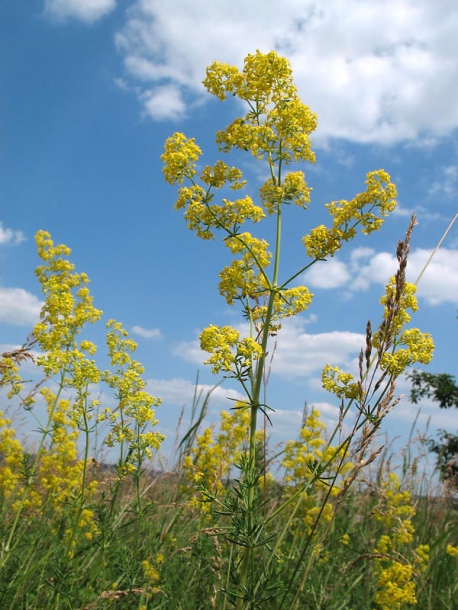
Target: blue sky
[[90, 90]]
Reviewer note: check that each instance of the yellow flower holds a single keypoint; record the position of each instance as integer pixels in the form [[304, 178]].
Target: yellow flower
[[211, 459], [395, 587], [179, 158], [367, 210], [345, 540], [452, 550], [219, 341], [266, 83], [341, 384]]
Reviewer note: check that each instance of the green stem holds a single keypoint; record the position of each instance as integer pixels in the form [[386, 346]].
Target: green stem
[[247, 557]]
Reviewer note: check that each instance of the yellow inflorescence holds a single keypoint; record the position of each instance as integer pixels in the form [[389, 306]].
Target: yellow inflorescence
[[299, 460], [212, 458], [135, 404], [452, 550], [229, 352], [367, 210], [293, 190], [12, 455], [395, 584], [341, 384], [409, 345], [180, 158]]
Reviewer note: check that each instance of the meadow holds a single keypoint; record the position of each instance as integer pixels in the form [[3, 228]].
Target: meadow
[[329, 520]]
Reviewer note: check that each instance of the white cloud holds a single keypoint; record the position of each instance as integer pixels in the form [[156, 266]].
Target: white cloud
[[296, 353], [152, 333], [84, 10], [331, 274], [421, 213], [374, 72], [180, 392], [10, 237], [376, 268], [17, 306], [439, 283], [164, 102], [301, 354]]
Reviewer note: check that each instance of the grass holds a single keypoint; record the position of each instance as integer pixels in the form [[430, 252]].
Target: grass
[[170, 552]]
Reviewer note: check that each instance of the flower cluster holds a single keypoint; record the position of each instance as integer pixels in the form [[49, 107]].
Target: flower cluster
[[395, 584], [452, 550], [134, 414], [367, 210], [9, 372], [245, 278], [12, 459], [152, 573], [419, 347], [408, 345], [230, 354], [180, 158], [221, 174], [67, 309], [203, 218], [404, 301], [60, 472], [278, 124], [293, 190], [211, 460], [341, 384], [303, 460]]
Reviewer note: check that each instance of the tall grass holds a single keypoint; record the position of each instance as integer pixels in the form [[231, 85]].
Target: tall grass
[[169, 552]]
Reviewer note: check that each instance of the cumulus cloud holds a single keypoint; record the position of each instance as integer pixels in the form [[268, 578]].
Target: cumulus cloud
[[438, 284], [368, 83], [366, 267], [87, 11], [331, 274], [296, 353], [10, 237], [17, 306], [151, 333], [301, 354], [164, 102]]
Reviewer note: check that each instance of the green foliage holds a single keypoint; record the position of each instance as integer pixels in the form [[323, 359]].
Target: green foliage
[[441, 388]]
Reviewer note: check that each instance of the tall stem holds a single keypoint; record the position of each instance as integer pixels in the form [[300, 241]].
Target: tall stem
[[247, 557]]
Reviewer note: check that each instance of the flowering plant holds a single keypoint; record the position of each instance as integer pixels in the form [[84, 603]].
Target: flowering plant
[[276, 130]]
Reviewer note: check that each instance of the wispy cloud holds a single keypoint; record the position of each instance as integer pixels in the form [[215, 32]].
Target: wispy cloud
[[17, 306], [447, 185], [147, 333], [10, 237], [368, 83], [180, 392], [87, 11]]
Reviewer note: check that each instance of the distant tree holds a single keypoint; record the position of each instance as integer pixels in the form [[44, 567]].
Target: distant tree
[[443, 389]]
